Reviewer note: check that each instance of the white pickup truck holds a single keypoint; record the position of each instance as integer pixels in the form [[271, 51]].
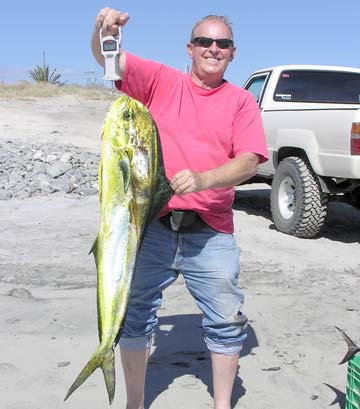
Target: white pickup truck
[[311, 116]]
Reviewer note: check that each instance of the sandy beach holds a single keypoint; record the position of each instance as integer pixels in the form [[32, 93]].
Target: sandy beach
[[296, 291]]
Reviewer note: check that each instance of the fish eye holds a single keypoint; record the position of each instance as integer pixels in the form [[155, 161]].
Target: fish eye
[[128, 115]]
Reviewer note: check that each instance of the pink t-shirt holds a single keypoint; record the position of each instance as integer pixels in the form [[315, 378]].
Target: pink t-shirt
[[200, 129]]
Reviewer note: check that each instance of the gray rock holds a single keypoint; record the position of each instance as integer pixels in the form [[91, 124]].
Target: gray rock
[[42, 177], [38, 155], [43, 169], [20, 293], [45, 187], [22, 194], [63, 185], [86, 190], [63, 364], [58, 168], [5, 194], [38, 168], [51, 158], [66, 157]]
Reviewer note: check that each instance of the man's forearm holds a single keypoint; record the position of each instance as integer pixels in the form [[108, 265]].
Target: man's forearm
[[95, 47], [238, 170], [232, 173]]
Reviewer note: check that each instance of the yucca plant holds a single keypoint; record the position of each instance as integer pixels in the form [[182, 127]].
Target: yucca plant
[[42, 74]]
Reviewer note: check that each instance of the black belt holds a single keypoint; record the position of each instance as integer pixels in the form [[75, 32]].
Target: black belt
[[183, 221]]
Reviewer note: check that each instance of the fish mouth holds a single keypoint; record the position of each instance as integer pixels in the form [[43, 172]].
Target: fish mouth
[[127, 102]]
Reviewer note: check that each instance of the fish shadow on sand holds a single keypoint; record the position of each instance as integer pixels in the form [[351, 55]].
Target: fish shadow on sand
[[180, 350]]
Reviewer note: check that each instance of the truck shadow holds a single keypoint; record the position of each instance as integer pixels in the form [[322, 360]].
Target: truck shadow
[[180, 350], [341, 224], [253, 201]]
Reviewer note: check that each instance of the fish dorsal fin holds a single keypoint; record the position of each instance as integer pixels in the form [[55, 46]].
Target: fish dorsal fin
[[124, 165], [94, 248]]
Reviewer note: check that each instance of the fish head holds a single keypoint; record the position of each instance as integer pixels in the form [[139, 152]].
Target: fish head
[[129, 125], [130, 141]]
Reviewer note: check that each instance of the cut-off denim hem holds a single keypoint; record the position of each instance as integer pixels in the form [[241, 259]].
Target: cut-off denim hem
[[224, 349], [136, 343]]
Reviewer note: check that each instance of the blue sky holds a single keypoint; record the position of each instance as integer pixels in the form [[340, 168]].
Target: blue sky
[[266, 33]]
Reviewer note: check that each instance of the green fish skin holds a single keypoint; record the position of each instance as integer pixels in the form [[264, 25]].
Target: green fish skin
[[132, 188]]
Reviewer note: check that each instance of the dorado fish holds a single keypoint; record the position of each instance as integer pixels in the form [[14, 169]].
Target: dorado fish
[[132, 189]]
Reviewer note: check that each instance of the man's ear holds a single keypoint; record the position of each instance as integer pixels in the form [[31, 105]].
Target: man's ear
[[233, 52], [189, 47]]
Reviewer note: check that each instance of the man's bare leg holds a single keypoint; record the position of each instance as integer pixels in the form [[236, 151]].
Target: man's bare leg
[[134, 366], [224, 368]]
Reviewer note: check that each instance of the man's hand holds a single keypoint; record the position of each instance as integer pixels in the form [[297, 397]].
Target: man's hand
[[109, 20], [188, 181]]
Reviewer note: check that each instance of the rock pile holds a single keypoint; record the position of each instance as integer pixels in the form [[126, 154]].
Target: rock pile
[[41, 169]]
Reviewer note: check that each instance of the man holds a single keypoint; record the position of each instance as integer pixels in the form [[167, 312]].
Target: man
[[212, 139]]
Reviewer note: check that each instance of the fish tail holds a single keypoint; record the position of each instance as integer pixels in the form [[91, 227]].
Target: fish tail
[[352, 347], [350, 353], [108, 368], [99, 360], [85, 373]]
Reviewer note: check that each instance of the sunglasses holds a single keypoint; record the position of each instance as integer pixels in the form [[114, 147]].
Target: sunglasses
[[206, 42]]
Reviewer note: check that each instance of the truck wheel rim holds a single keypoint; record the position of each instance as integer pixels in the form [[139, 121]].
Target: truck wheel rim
[[286, 198]]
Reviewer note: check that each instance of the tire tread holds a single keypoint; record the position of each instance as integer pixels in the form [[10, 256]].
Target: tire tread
[[311, 218]]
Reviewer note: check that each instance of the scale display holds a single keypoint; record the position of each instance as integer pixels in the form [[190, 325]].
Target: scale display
[[109, 45]]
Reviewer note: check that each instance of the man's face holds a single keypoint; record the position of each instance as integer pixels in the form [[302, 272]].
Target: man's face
[[210, 63]]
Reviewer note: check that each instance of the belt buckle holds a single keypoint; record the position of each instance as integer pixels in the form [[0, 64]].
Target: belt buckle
[[182, 220], [176, 217]]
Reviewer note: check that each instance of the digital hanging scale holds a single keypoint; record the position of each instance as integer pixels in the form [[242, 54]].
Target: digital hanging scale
[[110, 49]]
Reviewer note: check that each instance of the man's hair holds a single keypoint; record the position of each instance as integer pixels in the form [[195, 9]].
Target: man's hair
[[213, 17]]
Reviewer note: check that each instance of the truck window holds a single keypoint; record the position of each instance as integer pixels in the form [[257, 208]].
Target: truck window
[[256, 86], [318, 86]]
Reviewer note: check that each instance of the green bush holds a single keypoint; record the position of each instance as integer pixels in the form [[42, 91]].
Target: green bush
[[42, 74]]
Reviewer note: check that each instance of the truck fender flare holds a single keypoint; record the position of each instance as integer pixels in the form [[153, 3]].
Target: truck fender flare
[[298, 139]]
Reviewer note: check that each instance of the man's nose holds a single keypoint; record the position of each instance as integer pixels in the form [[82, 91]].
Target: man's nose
[[214, 46]]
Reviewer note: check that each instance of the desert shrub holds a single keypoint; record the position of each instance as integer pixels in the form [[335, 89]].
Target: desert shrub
[[43, 74]]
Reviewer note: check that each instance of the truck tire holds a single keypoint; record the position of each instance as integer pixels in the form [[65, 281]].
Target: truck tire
[[298, 205]]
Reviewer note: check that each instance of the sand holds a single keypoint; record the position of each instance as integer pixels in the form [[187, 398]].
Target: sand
[[296, 291]]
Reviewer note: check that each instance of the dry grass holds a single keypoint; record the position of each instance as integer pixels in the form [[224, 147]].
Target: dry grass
[[27, 90]]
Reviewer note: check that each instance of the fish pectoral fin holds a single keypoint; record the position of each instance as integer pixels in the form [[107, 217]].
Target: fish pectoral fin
[[105, 361], [124, 165]]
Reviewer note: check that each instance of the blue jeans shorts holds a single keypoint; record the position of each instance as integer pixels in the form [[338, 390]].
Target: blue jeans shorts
[[209, 263]]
